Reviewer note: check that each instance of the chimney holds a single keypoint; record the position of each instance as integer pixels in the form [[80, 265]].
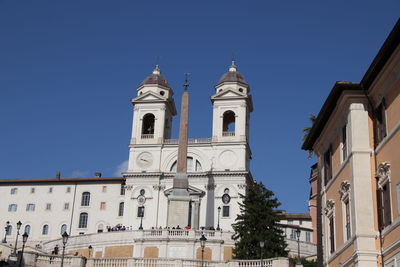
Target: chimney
[[58, 175], [97, 174]]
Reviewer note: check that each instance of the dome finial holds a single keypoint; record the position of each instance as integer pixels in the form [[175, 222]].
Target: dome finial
[[157, 70], [233, 67]]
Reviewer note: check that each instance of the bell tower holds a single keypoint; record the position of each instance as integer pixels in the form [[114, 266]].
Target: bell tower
[[154, 109], [232, 105]]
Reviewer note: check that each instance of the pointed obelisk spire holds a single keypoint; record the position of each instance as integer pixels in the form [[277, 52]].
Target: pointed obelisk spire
[[179, 198], [183, 131]]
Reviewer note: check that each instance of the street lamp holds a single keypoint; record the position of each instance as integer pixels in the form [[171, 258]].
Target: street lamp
[[203, 240], [90, 251], [24, 239], [64, 241], [219, 211], [298, 245], [262, 243], [5, 231], [14, 254]]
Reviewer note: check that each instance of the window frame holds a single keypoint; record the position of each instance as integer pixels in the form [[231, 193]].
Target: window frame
[[85, 199], [226, 208], [328, 165], [11, 207], [121, 208], [83, 220], [45, 229]]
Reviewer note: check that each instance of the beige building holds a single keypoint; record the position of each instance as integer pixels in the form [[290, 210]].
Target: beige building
[[356, 138]]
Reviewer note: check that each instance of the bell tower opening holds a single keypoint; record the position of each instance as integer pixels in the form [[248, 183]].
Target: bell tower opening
[[148, 126], [228, 123]]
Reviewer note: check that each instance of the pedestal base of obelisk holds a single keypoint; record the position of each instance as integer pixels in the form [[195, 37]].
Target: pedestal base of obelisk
[[178, 210]]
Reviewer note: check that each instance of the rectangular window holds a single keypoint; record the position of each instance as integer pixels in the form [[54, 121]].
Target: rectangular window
[[66, 206], [308, 237], [122, 191], [30, 207], [328, 165], [121, 209], [68, 189], [104, 189], [102, 205], [300, 222], [225, 211], [387, 212], [380, 122], [50, 190], [48, 206], [347, 219], [140, 212], [398, 199], [32, 190], [13, 191], [293, 233], [290, 221], [344, 143], [332, 234], [12, 207]]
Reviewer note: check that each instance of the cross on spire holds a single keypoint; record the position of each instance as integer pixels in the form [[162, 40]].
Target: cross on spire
[[186, 84]]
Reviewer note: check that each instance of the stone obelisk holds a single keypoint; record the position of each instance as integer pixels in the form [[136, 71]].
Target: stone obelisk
[[178, 200]]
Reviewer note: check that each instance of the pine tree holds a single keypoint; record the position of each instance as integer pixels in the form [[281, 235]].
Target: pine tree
[[258, 221]]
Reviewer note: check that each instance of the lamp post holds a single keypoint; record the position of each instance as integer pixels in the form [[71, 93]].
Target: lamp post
[[14, 254], [298, 245], [203, 240], [24, 239], [262, 243], [5, 231], [90, 251], [64, 241], [219, 211]]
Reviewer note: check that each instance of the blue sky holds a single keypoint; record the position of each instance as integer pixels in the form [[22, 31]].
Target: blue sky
[[69, 68]]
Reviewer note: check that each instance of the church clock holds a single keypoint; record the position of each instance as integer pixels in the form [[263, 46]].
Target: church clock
[[145, 159]]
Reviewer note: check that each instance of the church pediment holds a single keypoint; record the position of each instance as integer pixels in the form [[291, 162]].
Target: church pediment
[[148, 96], [228, 93], [193, 191]]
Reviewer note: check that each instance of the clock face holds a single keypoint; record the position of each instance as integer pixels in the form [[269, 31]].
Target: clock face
[[144, 159], [226, 199]]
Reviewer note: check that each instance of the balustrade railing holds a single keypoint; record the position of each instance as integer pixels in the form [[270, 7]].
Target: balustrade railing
[[228, 133], [190, 141], [147, 136], [160, 262]]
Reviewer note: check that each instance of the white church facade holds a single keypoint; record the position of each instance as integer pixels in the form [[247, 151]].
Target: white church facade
[[218, 170]]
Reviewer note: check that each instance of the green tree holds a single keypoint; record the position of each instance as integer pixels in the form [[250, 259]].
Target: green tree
[[258, 221], [306, 130]]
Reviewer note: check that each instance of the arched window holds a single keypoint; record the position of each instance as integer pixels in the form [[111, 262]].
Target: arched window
[[27, 229], [121, 209], [100, 228], [9, 230], [228, 126], [85, 199], [83, 220], [45, 229], [193, 165], [63, 229], [148, 126]]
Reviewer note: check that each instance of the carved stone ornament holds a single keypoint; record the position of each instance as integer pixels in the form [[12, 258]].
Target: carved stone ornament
[[330, 203], [383, 174], [128, 187], [158, 187], [210, 186], [241, 186], [344, 189]]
